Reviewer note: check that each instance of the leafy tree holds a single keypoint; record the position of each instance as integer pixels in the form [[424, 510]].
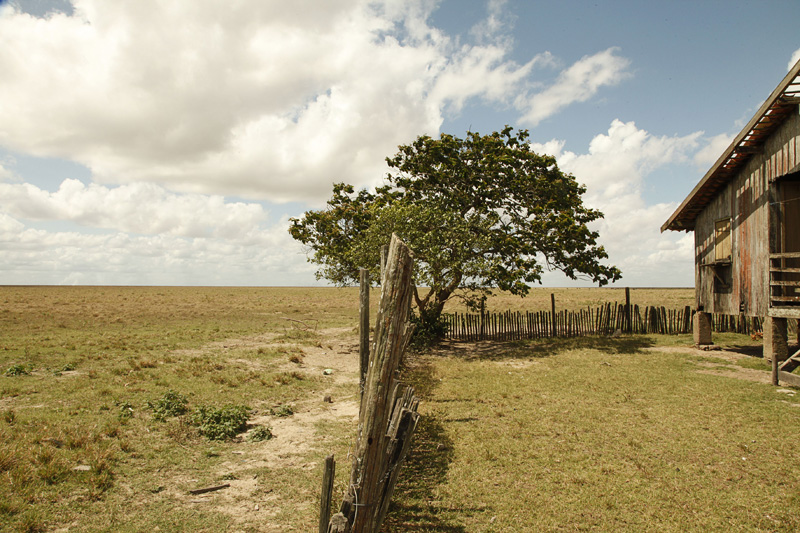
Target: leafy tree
[[479, 213]]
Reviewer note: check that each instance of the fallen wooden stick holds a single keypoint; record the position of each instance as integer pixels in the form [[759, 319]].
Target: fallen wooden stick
[[300, 322], [209, 489]]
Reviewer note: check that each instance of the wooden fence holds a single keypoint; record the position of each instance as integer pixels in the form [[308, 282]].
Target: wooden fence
[[603, 320]]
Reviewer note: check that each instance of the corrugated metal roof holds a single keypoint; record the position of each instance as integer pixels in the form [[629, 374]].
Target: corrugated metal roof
[[782, 102]]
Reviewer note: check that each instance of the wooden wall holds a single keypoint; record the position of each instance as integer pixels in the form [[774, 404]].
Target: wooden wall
[[746, 201]]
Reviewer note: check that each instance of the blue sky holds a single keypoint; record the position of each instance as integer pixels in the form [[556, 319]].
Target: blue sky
[[168, 143]]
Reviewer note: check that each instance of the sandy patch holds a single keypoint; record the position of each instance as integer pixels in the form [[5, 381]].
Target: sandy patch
[[250, 501], [724, 367]]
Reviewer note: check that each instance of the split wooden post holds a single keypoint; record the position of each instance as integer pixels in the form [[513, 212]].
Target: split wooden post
[[327, 494], [388, 416], [384, 253], [627, 326], [363, 327], [775, 364]]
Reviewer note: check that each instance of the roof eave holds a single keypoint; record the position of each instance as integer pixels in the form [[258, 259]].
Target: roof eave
[[675, 222]]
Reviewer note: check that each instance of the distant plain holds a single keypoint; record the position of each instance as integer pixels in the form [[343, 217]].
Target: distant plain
[[638, 433]]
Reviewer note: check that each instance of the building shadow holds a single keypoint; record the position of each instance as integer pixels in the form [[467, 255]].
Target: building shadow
[[539, 348]]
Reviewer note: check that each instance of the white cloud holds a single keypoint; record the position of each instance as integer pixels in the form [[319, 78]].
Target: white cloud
[[175, 105], [33, 255], [6, 174], [708, 155], [259, 98], [617, 162], [263, 99], [138, 208], [578, 83], [613, 171], [795, 58]]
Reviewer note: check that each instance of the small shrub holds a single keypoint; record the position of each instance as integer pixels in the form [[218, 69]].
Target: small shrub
[[9, 508], [171, 404], [220, 423], [427, 332], [125, 410], [282, 410], [17, 370], [286, 378], [31, 522], [260, 433]]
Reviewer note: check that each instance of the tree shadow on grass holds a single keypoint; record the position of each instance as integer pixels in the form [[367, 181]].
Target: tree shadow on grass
[[540, 348], [415, 505]]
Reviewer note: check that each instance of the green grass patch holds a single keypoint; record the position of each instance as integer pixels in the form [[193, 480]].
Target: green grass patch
[[82, 441], [596, 438], [568, 434]]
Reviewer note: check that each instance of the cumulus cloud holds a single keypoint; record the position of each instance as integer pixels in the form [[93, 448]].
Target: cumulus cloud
[[6, 174], [264, 99], [174, 106], [708, 155], [795, 58], [117, 258], [613, 171], [267, 99], [578, 83], [141, 208], [148, 236]]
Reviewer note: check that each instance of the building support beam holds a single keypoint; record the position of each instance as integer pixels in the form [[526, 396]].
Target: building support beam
[[701, 328], [776, 339]]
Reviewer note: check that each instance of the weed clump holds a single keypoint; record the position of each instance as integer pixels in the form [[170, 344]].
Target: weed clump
[[125, 410], [170, 404], [18, 370], [259, 434], [282, 410], [220, 423]]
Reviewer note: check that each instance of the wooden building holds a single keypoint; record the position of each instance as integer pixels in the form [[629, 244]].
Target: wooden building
[[745, 214]]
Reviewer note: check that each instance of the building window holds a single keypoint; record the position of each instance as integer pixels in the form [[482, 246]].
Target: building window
[[722, 240]]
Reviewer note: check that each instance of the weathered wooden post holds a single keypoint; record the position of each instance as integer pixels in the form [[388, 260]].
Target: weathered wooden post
[[628, 322], [384, 253], [388, 414], [363, 326], [327, 494], [553, 312], [775, 370]]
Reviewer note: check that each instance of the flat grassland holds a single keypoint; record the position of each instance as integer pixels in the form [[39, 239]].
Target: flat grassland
[[632, 433]]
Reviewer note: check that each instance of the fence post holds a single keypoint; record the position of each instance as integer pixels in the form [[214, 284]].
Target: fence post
[[363, 327], [627, 328], [327, 494], [384, 253], [379, 451], [553, 313]]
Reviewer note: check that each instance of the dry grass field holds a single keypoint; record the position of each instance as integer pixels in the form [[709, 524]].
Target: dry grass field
[[104, 394]]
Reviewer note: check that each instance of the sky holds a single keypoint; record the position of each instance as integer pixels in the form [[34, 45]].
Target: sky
[[169, 143]]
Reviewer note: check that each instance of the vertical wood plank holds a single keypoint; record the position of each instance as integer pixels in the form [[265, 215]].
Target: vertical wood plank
[[363, 326], [327, 494]]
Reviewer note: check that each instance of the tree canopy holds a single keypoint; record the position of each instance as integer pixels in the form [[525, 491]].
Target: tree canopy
[[479, 213]]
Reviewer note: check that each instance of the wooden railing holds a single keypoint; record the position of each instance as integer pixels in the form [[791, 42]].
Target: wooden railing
[[784, 279]]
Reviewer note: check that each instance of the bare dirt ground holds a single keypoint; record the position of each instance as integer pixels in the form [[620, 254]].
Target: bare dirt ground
[[725, 358], [294, 437]]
